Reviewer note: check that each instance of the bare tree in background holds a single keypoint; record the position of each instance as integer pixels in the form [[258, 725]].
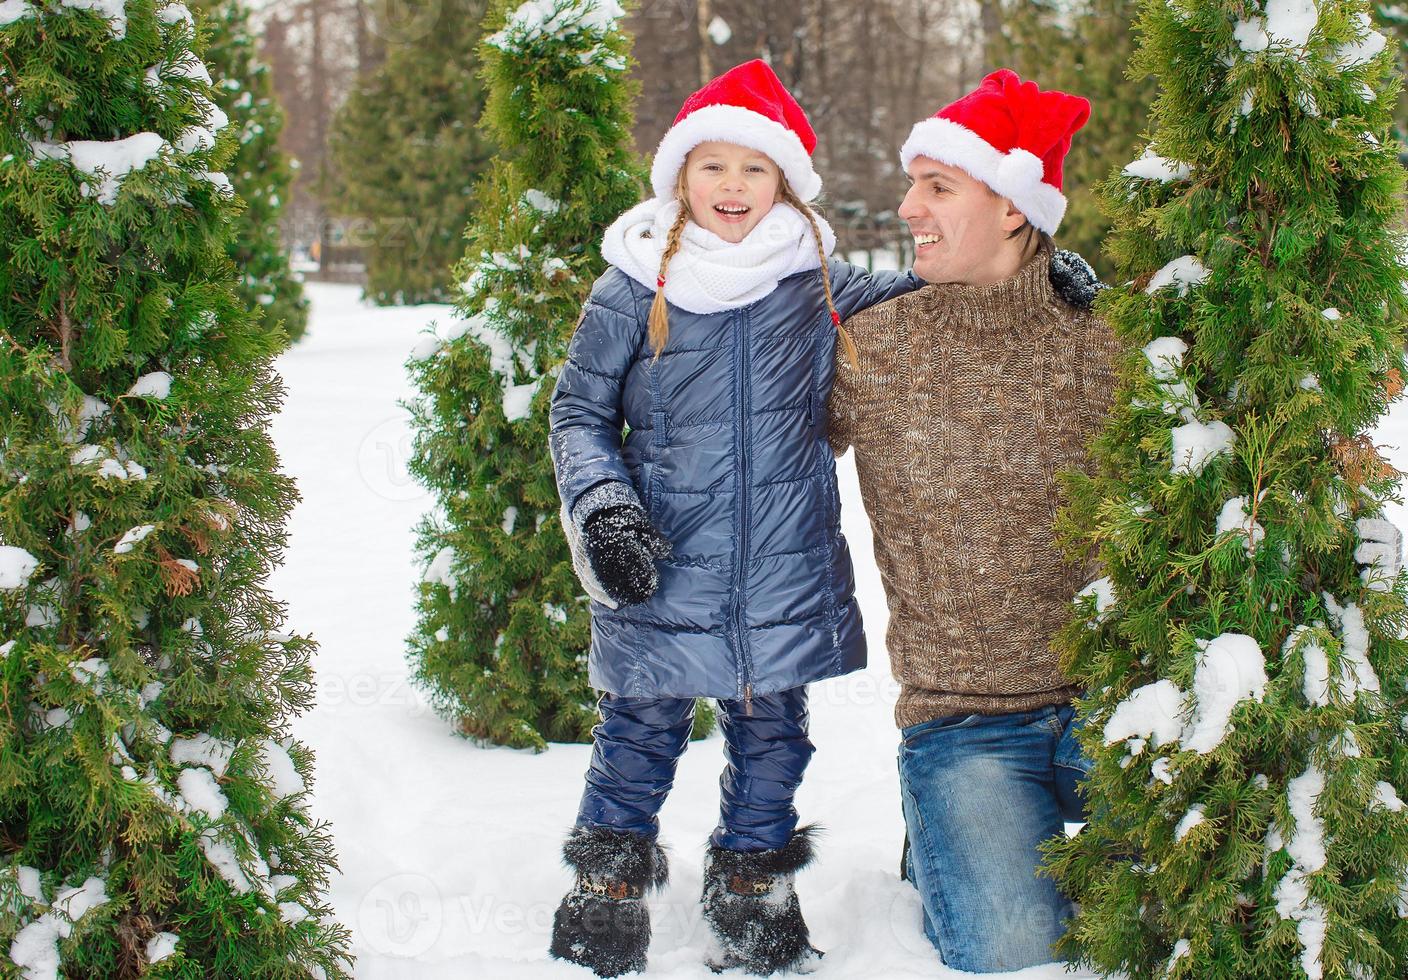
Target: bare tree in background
[[315, 49], [866, 72], [703, 17]]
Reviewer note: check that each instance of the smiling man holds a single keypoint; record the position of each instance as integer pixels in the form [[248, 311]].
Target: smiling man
[[971, 395]]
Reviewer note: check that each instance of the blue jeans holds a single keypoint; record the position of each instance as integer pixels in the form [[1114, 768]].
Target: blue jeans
[[636, 746], [980, 792]]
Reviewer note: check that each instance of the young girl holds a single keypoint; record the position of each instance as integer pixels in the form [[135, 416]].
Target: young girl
[[710, 538]]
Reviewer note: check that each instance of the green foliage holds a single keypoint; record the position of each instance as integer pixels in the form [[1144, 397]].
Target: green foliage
[[503, 624], [146, 684], [406, 152], [1294, 339], [260, 172]]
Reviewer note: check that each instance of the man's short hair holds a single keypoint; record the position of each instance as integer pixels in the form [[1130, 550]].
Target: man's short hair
[[1026, 229]]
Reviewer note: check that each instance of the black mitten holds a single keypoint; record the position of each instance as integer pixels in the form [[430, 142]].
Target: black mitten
[[622, 548], [1073, 279]]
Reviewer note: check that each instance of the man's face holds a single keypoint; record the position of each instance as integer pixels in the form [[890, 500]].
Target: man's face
[[730, 188], [960, 226]]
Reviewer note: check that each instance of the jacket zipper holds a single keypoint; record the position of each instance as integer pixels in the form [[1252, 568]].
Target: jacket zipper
[[745, 667]]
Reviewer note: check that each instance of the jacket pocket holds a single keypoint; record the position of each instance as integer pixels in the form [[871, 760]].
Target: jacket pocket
[[645, 478], [826, 488]]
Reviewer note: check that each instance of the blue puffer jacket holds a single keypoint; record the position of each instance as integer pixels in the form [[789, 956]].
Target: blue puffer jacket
[[727, 453]]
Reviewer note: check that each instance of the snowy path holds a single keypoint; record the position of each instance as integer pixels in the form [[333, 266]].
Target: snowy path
[[448, 851]]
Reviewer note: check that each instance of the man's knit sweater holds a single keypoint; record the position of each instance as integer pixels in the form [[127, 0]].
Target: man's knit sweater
[[968, 402]]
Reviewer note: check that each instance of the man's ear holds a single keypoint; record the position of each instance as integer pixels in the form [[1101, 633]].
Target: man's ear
[[1014, 218]]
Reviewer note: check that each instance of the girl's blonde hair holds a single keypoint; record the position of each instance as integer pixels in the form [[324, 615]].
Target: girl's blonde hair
[[659, 317]]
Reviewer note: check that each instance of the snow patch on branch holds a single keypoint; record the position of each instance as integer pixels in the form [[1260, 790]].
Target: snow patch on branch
[[1235, 517], [1356, 672], [108, 467], [219, 181], [13, 10], [1291, 21], [222, 857], [1387, 797], [156, 384], [504, 355], [1102, 590], [202, 749], [1366, 46], [1165, 356], [1307, 850], [1151, 166], [131, 538], [1182, 274], [280, 772], [1180, 950], [1287, 23], [538, 20], [1151, 715], [162, 945], [89, 412], [540, 202], [1230, 669], [106, 162], [35, 948], [173, 12], [201, 793], [1316, 682], [1197, 813], [16, 567], [113, 11], [439, 570], [1195, 444]]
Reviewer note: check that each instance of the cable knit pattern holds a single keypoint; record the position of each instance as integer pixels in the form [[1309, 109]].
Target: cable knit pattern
[[968, 402]]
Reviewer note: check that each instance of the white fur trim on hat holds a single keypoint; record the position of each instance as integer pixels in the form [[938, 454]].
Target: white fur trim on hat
[[733, 124], [1015, 175]]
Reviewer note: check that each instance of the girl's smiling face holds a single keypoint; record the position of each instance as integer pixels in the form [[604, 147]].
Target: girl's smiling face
[[730, 188]]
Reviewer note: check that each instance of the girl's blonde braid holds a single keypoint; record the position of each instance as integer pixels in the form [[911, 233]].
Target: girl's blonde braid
[[790, 197], [659, 319]]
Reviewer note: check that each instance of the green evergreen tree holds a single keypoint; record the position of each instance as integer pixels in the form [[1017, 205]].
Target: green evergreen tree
[[503, 626], [260, 172], [1084, 48], [406, 151], [152, 809], [1245, 668]]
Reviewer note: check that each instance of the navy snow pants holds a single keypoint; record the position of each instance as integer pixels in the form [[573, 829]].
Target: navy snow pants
[[639, 741]]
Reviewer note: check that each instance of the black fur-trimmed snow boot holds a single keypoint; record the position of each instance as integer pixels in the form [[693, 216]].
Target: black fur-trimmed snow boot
[[750, 904], [603, 923]]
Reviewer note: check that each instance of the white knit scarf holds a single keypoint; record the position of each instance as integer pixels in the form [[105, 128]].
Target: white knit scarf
[[709, 274]]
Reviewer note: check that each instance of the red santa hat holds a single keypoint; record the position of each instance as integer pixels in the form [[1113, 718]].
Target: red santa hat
[[750, 106], [1011, 136]]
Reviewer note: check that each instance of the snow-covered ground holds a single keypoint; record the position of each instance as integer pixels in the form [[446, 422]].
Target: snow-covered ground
[[449, 852]]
